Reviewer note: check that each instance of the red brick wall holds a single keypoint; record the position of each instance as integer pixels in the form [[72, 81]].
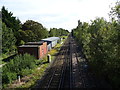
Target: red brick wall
[[41, 52], [45, 47]]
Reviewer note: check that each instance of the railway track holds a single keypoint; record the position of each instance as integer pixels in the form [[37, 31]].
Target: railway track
[[78, 70], [82, 77], [55, 75], [69, 70], [66, 76]]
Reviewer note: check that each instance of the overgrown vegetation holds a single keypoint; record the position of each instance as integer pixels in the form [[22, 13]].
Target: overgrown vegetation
[[31, 31], [31, 74], [19, 66], [100, 41]]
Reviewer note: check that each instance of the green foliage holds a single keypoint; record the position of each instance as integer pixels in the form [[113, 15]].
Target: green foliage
[[58, 32], [101, 46], [25, 36], [10, 26], [9, 77], [8, 39], [115, 11], [31, 30], [34, 31], [25, 72], [22, 42], [20, 65], [10, 20]]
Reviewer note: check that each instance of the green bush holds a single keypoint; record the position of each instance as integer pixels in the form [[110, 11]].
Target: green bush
[[25, 72], [8, 77], [101, 45], [22, 42], [20, 65]]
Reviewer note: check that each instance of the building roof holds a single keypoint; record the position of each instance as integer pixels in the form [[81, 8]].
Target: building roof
[[51, 39], [35, 43], [29, 46]]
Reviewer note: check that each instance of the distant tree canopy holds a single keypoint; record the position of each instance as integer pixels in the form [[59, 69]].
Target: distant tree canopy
[[32, 31], [58, 32]]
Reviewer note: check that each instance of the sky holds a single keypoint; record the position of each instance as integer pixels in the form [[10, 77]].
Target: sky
[[59, 13]]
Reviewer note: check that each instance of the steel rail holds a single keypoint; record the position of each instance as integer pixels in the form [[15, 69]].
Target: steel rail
[[53, 75]]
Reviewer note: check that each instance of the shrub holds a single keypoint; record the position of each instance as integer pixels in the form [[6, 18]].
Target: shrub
[[20, 65], [25, 72], [8, 77], [101, 44]]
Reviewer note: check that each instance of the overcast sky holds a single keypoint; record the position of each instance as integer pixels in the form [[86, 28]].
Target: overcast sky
[[58, 13]]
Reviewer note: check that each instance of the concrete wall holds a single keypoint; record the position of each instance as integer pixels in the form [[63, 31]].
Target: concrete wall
[[54, 43]]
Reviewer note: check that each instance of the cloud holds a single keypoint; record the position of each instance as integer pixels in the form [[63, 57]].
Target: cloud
[[58, 13]]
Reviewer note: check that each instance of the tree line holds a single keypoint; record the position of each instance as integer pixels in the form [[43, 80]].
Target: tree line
[[58, 32], [100, 42], [14, 33]]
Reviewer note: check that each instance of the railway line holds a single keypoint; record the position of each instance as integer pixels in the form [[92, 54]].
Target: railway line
[[54, 76], [69, 70]]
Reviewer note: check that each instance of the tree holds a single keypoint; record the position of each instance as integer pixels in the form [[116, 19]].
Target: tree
[[8, 39], [36, 28], [58, 32], [10, 21], [52, 32], [100, 43], [115, 11]]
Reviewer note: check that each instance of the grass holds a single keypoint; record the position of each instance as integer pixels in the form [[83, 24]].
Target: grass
[[42, 65], [35, 76]]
